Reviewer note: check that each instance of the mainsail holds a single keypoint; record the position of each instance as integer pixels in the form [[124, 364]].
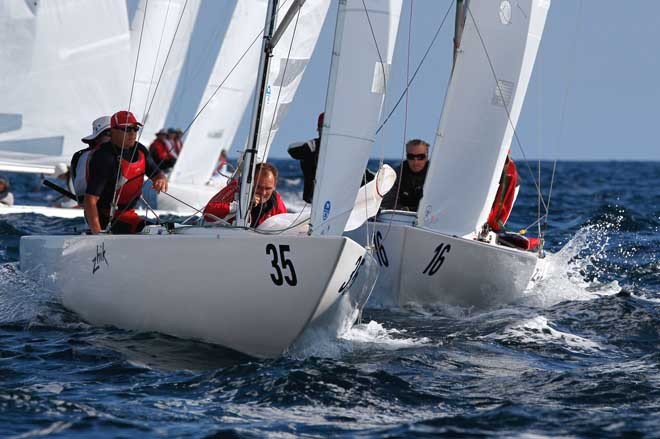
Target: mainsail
[[490, 76], [287, 66], [226, 95], [362, 53], [62, 64]]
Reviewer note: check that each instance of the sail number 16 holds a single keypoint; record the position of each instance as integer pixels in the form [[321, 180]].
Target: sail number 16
[[437, 259], [280, 263]]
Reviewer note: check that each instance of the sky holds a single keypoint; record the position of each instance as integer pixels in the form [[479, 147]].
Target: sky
[[593, 94]]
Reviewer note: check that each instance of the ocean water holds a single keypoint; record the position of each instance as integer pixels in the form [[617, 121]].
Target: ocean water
[[577, 357]]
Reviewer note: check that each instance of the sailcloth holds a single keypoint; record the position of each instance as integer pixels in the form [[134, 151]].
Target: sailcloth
[[355, 97], [160, 36], [492, 68], [63, 63], [231, 83], [287, 66]]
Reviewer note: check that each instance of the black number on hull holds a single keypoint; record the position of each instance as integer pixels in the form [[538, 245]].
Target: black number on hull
[[437, 259], [381, 256], [278, 277], [346, 285]]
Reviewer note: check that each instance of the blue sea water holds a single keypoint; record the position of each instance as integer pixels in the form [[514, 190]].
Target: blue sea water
[[577, 357]]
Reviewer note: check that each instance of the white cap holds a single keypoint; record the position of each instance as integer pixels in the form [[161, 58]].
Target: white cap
[[98, 126], [60, 169]]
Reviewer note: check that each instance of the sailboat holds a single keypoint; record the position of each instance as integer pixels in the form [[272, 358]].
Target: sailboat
[[251, 291], [441, 254], [50, 53]]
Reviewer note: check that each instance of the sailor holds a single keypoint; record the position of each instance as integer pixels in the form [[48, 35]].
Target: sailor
[[116, 174], [266, 201], [411, 174], [162, 150], [80, 160], [308, 155], [6, 197], [505, 197]]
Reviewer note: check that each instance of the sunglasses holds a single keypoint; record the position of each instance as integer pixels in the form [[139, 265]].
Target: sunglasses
[[128, 129], [416, 156]]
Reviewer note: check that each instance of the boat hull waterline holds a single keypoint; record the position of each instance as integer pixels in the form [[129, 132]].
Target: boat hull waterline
[[209, 293]]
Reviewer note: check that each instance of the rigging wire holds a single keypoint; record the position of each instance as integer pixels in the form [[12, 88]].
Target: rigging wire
[[117, 193], [419, 66], [153, 71], [382, 159], [130, 99], [571, 70], [506, 108], [405, 120]]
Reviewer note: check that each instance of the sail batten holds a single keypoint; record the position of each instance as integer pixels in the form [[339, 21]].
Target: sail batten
[[481, 109]]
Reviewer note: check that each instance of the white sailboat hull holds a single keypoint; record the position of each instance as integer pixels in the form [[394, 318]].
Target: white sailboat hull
[[425, 267], [249, 292]]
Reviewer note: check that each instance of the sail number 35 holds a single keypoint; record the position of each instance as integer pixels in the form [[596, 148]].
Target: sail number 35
[[281, 263], [437, 259]]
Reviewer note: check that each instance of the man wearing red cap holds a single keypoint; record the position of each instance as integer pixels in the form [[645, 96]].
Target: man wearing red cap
[[116, 174]]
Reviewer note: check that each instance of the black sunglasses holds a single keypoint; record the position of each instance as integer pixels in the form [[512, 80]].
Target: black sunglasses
[[416, 156], [128, 129]]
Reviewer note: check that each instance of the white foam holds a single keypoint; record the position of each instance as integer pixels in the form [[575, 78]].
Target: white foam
[[538, 331], [564, 271]]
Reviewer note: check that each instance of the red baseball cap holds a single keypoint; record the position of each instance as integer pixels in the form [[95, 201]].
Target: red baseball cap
[[320, 120], [123, 119]]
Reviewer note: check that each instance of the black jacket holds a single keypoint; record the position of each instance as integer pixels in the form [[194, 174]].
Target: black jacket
[[410, 191], [308, 154]]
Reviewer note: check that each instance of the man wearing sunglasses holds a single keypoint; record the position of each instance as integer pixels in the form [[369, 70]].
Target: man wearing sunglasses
[[410, 178], [116, 175]]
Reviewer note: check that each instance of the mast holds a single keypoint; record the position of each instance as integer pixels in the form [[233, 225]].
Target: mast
[[245, 199], [252, 149]]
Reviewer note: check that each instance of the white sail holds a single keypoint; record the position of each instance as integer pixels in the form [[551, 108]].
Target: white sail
[[217, 123], [63, 63], [482, 106], [355, 96], [160, 36], [287, 66]]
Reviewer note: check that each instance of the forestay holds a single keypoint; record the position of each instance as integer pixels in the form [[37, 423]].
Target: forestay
[[354, 101], [235, 74], [62, 63], [481, 109], [160, 36], [287, 66]]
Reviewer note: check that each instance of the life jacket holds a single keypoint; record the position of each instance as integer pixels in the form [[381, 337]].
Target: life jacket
[[219, 205], [505, 197], [130, 180]]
